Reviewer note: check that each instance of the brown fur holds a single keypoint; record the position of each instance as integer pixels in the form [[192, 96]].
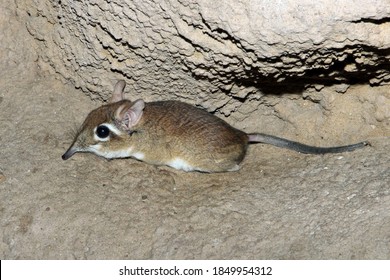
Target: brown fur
[[176, 129], [169, 130], [173, 133]]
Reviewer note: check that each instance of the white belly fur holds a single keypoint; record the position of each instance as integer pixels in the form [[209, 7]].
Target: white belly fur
[[180, 164]]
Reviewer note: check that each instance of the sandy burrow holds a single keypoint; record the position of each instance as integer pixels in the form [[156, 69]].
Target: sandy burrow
[[280, 205]]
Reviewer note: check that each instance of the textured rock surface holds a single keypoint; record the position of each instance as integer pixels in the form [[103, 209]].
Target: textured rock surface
[[18, 51], [218, 54], [280, 205]]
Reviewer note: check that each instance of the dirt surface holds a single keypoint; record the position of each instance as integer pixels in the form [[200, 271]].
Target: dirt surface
[[280, 205]]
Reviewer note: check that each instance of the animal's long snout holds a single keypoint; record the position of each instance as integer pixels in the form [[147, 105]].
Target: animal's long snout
[[70, 152]]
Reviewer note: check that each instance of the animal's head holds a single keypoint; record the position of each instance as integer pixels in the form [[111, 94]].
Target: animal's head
[[106, 129]]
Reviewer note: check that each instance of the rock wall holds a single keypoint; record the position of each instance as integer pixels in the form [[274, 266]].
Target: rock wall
[[217, 54], [18, 50]]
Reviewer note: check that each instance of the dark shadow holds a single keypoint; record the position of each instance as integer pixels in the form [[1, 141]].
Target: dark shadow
[[318, 74]]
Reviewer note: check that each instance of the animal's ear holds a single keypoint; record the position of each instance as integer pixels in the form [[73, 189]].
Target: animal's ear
[[129, 116], [117, 94]]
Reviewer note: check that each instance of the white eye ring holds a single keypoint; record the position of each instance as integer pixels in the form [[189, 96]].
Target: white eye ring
[[103, 138]]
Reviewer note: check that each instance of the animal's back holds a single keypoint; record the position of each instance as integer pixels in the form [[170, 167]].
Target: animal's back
[[185, 135]]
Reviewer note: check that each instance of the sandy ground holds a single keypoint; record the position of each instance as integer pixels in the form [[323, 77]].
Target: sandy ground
[[280, 205]]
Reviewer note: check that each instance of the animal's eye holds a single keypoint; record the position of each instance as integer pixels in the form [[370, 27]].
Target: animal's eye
[[102, 131]]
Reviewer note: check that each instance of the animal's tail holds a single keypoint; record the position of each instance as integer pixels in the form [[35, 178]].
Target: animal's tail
[[302, 148]]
